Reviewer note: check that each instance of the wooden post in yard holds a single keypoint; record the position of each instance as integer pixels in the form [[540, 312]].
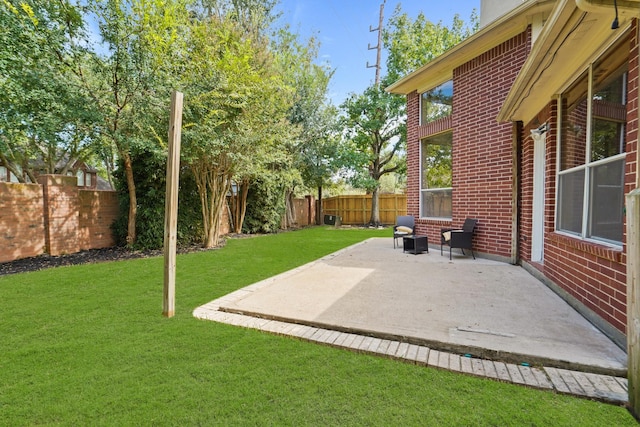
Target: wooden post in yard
[[633, 300], [171, 206]]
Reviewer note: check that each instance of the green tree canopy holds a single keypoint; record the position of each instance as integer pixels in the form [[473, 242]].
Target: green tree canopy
[[45, 119], [375, 121], [411, 43]]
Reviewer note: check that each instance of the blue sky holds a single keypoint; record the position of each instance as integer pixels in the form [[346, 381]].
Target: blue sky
[[342, 27]]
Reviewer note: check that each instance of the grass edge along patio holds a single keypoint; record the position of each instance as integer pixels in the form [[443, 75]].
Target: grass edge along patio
[[87, 345]]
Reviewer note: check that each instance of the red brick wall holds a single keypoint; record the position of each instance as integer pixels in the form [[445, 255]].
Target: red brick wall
[[525, 215], [60, 213], [21, 222], [413, 157], [482, 149], [483, 167], [593, 274], [98, 210], [53, 217]]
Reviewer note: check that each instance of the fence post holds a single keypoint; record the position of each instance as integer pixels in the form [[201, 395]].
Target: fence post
[[364, 210], [633, 299], [171, 205], [61, 213]]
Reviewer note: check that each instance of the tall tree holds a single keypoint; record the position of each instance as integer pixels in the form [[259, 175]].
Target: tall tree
[[376, 135], [236, 110], [411, 43], [45, 119], [317, 159], [316, 145], [375, 119], [128, 82]]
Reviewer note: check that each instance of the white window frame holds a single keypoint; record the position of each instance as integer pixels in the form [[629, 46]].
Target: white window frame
[[80, 176], [420, 98], [588, 166], [423, 191]]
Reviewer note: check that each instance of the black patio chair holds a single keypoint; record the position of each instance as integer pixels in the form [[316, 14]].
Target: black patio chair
[[459, 238], [405, 225]]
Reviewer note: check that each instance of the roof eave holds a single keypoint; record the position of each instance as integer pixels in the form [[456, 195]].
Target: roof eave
[[441, 68], [544, 73]]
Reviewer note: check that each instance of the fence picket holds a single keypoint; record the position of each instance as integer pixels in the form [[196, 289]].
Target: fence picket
[[356, 209]]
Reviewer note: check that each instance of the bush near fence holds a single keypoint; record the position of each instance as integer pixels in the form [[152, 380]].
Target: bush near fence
[[356, 209]]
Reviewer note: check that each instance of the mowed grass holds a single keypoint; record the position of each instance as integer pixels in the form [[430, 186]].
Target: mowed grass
[[87, 345]]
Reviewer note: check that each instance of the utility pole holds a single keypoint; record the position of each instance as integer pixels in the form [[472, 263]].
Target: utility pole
[[379, 46]]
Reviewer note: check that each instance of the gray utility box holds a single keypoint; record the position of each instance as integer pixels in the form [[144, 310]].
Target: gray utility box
[[332, 220]]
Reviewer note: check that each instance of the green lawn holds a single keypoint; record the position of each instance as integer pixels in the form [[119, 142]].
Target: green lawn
[[87, 345]]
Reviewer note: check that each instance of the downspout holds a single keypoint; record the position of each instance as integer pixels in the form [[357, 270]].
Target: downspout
[[516, 197]]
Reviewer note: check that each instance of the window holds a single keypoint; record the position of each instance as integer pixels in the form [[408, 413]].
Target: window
[[591, 173], [80, 175], [435, 159], [436, 103], [6, 175]]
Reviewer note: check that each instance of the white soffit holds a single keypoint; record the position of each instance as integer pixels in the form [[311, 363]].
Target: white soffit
[[569, 41]]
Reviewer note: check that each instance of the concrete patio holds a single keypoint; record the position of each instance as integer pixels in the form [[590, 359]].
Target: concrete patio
[[478, 316]]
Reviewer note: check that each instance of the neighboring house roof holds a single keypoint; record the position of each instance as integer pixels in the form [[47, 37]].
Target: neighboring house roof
[[575, 33], [62, 163], [502, 29], [103, 184]]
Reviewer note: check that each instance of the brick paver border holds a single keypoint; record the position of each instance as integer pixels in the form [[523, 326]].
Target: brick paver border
[[604, 388]]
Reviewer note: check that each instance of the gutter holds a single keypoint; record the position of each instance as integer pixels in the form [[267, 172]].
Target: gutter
[[602, 6]]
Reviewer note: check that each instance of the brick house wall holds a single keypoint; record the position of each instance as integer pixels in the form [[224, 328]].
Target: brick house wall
[[483, 167], [483, 171], [493, 172], [413, 162], [592, 274]]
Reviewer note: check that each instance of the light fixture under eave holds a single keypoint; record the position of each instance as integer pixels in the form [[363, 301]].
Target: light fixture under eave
[[543, 128], [615, 24]]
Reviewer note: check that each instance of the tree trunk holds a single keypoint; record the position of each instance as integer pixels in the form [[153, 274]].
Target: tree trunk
[[12, 168], [219, 190], [239, 205], [319, 207], [375, 210], [243, 204], [133, 202], [290, 212]]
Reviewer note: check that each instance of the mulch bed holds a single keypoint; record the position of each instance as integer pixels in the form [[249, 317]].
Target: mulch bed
[[84, 257]]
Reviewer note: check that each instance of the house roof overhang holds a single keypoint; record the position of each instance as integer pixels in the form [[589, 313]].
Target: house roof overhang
[[576, 32], [502, 29]]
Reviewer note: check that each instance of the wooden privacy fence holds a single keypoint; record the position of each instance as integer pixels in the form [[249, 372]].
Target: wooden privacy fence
[[356, 210]]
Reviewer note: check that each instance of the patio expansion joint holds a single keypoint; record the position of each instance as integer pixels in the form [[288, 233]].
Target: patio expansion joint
[[605, 388]]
